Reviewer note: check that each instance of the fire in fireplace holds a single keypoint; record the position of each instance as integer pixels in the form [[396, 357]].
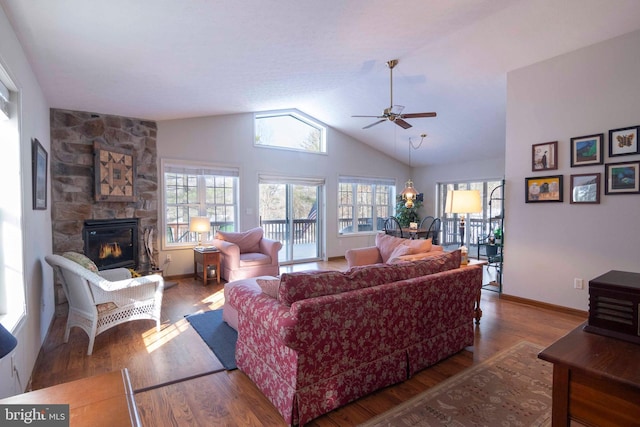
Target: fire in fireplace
[[111, 243]]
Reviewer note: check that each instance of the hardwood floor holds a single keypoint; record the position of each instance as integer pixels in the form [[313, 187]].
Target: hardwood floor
[[179, 382]]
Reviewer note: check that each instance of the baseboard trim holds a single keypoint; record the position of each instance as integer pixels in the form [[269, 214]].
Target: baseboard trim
[[546, 305]]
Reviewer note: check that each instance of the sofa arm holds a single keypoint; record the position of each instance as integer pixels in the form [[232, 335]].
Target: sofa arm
[[271, 248], [362, 256]]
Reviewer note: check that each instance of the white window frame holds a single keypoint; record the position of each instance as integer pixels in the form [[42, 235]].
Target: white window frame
[[354, 181], [295, 114], [13, 307], [201, 204]]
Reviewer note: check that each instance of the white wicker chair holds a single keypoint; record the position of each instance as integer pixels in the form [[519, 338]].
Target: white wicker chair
[[99, 302]]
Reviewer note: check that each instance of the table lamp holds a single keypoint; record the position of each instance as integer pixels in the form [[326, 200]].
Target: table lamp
[[199, 224], [463, 202], [7, 342]]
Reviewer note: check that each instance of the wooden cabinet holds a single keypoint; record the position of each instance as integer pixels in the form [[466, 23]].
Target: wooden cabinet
[[596, 380], [103, 400]]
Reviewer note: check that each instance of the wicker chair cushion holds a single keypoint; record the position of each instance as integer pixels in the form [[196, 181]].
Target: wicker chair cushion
[[82, 260]]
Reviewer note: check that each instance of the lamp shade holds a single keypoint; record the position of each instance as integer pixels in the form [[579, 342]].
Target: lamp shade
[[199, 224], [7, 342], [463, 201], [409, 194]]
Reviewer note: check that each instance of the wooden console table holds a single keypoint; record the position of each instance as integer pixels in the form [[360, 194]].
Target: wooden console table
[[596, 379], [103, 400]]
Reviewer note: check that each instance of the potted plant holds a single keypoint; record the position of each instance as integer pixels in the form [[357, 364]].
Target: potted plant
[[497, 233], [407, 215]]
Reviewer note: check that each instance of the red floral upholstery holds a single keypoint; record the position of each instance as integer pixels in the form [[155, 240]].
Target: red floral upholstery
[[324, 351]]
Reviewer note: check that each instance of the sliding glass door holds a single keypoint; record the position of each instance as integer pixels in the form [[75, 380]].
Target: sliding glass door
[[289, 212]]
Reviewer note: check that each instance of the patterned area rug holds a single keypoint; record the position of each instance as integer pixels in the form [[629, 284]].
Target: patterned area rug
[[513, 388]]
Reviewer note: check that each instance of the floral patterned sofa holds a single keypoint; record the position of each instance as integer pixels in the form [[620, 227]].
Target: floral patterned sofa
[[314, 341]]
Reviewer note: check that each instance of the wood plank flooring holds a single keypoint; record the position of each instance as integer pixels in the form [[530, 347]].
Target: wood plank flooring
[[159, 363]]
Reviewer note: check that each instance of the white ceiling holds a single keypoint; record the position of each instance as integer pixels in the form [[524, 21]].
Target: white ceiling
[[168, 59]]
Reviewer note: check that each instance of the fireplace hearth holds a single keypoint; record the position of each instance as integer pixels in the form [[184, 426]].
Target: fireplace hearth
[[111, 243]]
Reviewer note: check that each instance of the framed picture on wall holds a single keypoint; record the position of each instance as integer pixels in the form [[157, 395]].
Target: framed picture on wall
[[585, 188], [39, 158], [622, 178], [587, 150], [115, 171], [543, 189], [544, 156], [623, 142]]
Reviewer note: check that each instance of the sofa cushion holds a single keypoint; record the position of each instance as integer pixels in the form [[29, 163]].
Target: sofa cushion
[[419, 246], [309, 284], [443, 261], [399, 251], [386, 244], [82, 260], [247, 241], [269, 286]]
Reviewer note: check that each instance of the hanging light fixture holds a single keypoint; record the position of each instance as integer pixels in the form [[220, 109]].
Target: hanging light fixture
[[410, 194]]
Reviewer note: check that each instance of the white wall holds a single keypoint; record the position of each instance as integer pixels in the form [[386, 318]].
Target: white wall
[[547, 245], [229, 140], [36, 225], [427, 178]]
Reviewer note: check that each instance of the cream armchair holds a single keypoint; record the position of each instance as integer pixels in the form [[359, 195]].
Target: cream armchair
[[101, 300], [247, 254]]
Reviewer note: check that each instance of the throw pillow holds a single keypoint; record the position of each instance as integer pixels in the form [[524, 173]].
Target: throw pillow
[[399, 251], [248, 241], [419, 246], [269, 286], [82, 260], [386, 244]]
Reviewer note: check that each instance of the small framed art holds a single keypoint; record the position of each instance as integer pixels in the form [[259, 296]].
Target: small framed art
[[543, 189], [622, 178], [544, 156], [585, 188], [587, 150], [624, 141], [39, 158]]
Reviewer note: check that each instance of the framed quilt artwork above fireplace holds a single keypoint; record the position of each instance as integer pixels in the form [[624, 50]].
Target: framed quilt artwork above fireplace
[[115, 171]]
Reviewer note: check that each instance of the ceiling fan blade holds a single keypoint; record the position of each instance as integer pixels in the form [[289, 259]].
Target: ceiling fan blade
[[402, 123], [377, 117], [375, 123], [418, 115]]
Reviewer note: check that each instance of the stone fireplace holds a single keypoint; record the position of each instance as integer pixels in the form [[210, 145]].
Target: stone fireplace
[[73, 201], [111, 243]]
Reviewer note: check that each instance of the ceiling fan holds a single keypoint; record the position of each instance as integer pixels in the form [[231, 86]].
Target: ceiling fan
[[394, 112]]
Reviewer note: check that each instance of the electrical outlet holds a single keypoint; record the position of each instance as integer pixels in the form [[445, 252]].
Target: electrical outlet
[[578, 283], [168, 258]]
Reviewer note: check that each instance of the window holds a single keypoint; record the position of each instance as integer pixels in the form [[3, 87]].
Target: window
[[12, 283], [478, 224], [364, 203], [198, 190], [291, 130]]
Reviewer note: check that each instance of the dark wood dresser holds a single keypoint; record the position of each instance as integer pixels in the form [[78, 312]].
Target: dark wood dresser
[[596, 380]]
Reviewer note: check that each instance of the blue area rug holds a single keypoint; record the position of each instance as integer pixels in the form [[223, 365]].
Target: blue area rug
[[220, 337]]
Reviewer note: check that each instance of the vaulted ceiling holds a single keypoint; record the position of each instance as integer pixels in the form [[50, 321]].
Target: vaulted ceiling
[[169, 59]]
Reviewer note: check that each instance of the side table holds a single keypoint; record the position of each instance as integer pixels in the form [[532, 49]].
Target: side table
[[206, 258]]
